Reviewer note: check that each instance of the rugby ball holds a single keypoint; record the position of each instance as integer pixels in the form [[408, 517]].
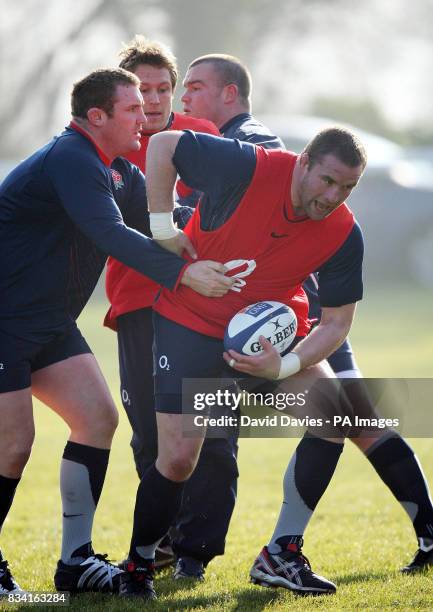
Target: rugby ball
[[274, 320]]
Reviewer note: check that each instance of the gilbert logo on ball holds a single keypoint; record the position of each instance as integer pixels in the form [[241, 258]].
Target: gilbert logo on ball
[[274, 320]]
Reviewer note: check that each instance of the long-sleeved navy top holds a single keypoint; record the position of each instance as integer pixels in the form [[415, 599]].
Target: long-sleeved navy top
[[62, 211]]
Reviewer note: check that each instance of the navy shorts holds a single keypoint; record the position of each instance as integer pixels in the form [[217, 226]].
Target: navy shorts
[[343, 360], [179, 352], [20, 358]]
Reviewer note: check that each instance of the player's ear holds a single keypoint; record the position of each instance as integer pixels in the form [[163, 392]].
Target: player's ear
[[230, 93], [304, 160], [96, 116]]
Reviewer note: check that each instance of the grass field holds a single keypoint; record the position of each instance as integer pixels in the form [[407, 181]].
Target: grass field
[[359, 535]]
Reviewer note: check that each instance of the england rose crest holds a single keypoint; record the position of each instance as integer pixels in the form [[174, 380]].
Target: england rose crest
[[117, 179]]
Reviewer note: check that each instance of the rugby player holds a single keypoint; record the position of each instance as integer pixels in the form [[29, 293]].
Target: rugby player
[[222, 95], [60, 215], [305, 215], [131, 295], [217, 87]]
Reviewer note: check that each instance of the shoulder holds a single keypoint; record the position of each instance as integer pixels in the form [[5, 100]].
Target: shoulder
[[71, 148], [73, 161], [355, 240], [340, 278], [207, 149], [351, 251], [184, 122], [274, 158], [247, 128], [354, 237], [67, 158]]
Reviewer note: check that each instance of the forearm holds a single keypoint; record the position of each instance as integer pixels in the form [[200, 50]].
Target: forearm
[[161, 173], [142, 254], [322, 342], [331, 332]]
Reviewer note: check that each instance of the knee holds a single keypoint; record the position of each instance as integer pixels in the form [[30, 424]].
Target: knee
[[178, 467], [96, 427], [16, 453], [112, 421], [364, 443], [107, 423]]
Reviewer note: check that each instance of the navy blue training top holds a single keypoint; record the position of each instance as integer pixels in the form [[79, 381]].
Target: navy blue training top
[[62, 211], [247, 128], [223, 169]]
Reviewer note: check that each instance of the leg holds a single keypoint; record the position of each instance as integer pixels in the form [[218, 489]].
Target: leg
[[160, 491], [307, 476], [17, 432], [135, 339], [159, 497], [392, 458], [89, 411], [76, 390], [310, 469], [16, 438], [209, 498], [17, 429], [398, 467], [306, 479]]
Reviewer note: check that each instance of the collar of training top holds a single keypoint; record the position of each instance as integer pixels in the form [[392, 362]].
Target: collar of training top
[[234, 120], [105, 160]]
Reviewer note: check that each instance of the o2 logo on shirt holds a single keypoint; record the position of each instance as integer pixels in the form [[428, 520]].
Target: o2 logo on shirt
[[2, 366], [246, 267], [163, 363]]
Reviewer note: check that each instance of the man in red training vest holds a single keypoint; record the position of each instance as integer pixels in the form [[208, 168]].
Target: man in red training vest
[[305, 227], [131, 296]]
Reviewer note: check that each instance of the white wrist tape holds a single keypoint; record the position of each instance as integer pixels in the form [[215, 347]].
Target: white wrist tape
[[161, 225], [290, 364]]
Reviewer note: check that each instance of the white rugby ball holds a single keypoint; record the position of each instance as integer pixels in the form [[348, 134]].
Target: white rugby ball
[[274, 320]]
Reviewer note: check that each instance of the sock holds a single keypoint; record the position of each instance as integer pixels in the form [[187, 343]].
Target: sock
[[397, 465], [82, 476], [157, 504], [307, 476], [8, 487], [7, 491]]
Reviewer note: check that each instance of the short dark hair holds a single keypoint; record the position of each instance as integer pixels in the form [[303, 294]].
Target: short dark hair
[[98, 89], [142, 51], [340, 142], [230, 70]]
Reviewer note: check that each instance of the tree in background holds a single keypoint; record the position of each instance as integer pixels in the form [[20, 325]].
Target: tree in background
[[302, 53]]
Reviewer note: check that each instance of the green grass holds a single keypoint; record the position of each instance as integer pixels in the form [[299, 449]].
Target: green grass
[[359, 535], [392, 333]]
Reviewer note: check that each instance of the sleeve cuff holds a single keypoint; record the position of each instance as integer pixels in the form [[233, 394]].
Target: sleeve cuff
[[179, 278]]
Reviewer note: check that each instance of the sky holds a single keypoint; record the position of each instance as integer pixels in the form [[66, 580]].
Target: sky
[[379, 51]]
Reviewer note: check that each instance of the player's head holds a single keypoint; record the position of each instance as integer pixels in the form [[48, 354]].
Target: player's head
[[108, 103], [155, 65], [330, 167], [217, 87], [99, 89]]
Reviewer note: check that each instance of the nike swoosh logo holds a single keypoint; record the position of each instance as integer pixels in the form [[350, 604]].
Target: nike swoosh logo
[[71, 515], [274, 235]]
